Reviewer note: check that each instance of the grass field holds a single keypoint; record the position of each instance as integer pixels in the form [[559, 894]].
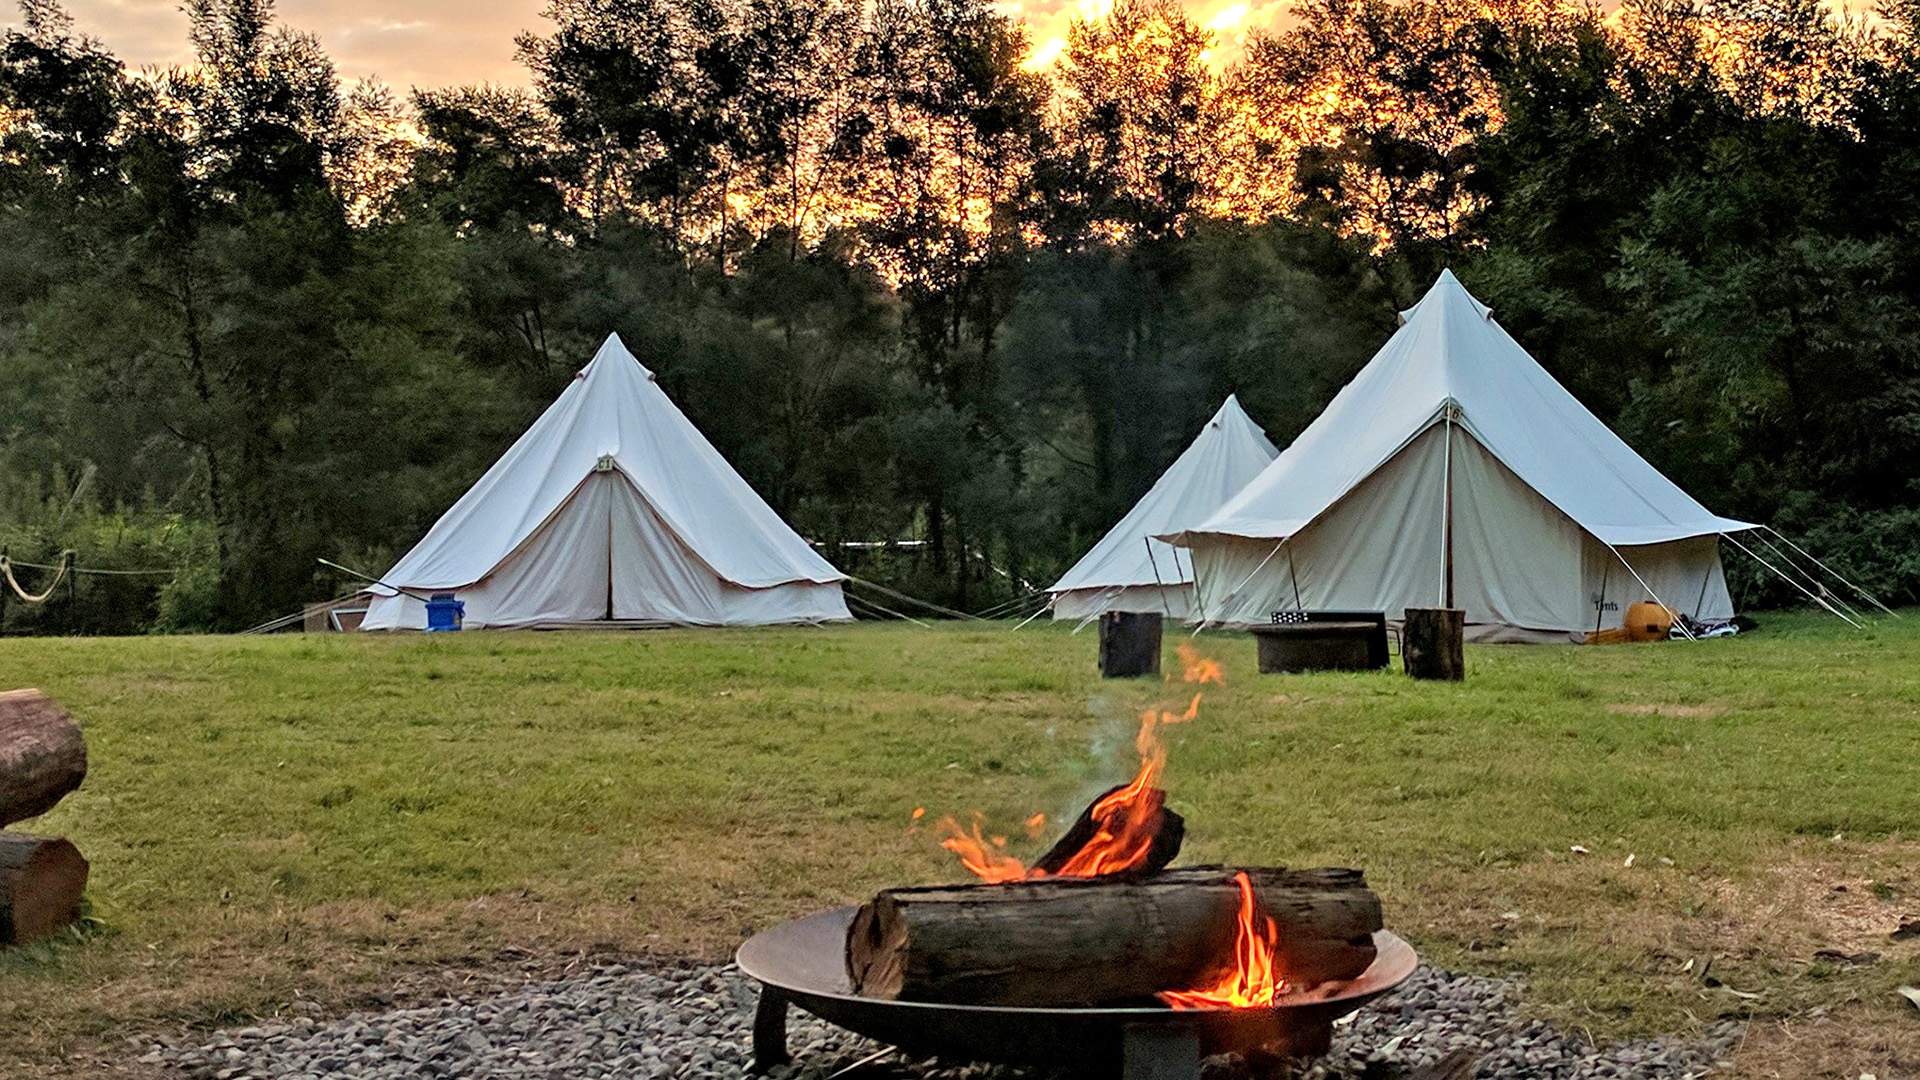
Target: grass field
[[272, 819]]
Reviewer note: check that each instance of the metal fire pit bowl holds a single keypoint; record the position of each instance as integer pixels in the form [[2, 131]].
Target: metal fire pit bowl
[[803, 963]]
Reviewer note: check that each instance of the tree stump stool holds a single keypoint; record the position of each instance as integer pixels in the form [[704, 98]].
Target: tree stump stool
[[1433, 643], [1129, 644]]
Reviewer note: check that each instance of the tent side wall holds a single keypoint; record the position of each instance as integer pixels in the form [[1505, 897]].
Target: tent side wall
[[1687, 575], [1378, 549], [1522, 570]]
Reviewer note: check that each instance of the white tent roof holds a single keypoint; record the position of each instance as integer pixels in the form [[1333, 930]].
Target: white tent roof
[[613, 411], [1450, 351], [1228, 452]]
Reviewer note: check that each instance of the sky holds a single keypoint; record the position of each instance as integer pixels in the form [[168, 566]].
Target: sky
[[409, 43]]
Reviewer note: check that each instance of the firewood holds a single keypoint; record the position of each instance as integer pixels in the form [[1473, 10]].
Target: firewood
[[1169, 831], [42, 755], [41, 883], [1102, 941]]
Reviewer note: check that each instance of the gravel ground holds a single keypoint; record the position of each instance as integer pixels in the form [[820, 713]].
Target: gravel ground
[[641, 1023]]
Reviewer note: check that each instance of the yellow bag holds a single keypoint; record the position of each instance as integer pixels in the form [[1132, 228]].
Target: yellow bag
[[1645, 621]]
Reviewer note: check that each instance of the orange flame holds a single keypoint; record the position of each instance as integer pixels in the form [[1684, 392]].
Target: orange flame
[[1252, 981], [1124, 820], [978, 855]]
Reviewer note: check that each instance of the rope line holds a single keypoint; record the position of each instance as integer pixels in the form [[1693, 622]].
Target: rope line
[[898, 595], [97, 570], [65, 567]]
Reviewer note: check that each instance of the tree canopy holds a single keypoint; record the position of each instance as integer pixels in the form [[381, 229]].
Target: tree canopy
[[917, 290]]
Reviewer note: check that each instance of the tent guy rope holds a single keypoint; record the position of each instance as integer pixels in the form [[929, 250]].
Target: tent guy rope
[[6, 572]]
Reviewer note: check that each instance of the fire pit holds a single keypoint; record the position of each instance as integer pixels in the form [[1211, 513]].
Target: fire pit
[[803, 963], [1098, 954]]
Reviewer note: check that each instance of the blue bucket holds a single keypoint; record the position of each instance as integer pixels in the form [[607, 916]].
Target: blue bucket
[[444, 612]]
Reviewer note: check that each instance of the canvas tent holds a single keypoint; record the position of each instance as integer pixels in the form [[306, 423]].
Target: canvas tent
[[1129, 571], [612, 507], [1454, 471]]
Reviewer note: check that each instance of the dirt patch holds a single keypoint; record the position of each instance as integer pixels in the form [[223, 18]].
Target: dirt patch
[[1828, 895], [1860, 1040], [1669, 709]]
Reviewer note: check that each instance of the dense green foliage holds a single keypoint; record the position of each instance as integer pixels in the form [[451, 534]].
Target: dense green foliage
[[915, 291]]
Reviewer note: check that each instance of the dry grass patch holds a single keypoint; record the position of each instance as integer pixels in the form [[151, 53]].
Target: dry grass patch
[[1845, 1043]]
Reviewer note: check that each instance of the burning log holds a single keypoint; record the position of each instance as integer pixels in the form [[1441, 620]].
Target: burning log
[[1082, 851], [41, 883], [42, 755], [1103, 941]]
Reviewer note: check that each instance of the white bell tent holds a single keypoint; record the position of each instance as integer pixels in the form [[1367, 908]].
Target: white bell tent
[[1453, 471], [612, 508], [1128, 570]]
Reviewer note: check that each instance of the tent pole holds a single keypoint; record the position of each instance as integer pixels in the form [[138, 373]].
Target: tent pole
[[1706, 578], [1870, 597], [1446, 517], [1193, 578], [1783, 577], [1600, 605], [1671, 614], [1157, 583], [1295, 575]]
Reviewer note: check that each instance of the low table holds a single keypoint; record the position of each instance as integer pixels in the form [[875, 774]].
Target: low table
[[1323, 641]]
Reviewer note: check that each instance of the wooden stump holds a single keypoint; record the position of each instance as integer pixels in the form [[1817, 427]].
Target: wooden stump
[[42, 755], [1129, 644], [1099, 941], [41, 883], [1433, 643]]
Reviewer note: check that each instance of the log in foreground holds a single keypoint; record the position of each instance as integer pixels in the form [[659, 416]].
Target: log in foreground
[[41, 883], [1103, 941], [42, 755]]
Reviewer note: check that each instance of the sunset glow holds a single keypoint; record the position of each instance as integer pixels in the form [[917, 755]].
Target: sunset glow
[[444, 43]]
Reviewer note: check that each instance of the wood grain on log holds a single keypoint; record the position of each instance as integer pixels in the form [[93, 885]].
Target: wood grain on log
[[43, 756], [1097, 941], [41, 884], [1432, 643]]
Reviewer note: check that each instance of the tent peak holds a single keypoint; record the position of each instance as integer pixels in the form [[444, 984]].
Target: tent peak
[[614, 347], [1446, 292]]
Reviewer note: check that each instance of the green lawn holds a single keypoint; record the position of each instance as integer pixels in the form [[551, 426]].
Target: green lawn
[[272, 818]]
